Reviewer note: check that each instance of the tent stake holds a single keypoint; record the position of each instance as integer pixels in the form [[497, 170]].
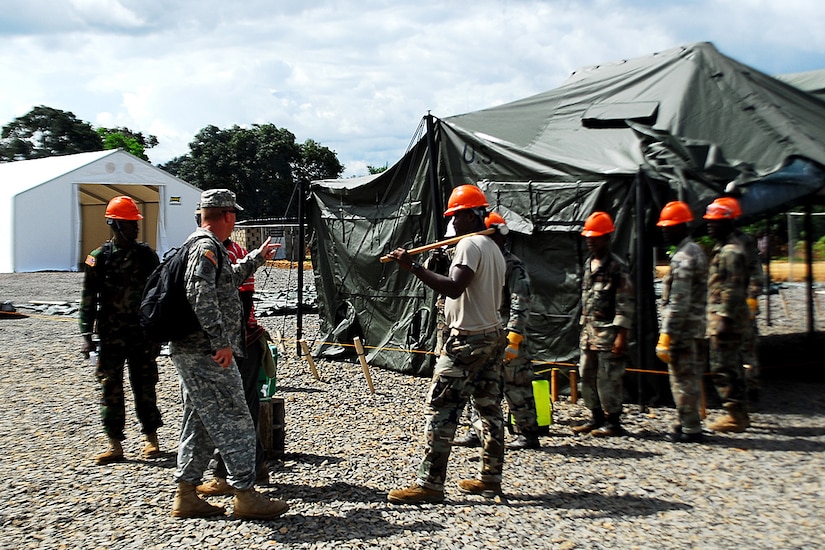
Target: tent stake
[[360, 349], [308, 357]]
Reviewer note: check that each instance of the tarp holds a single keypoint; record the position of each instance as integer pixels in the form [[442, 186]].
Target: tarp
[[52, 209], [624, 137]]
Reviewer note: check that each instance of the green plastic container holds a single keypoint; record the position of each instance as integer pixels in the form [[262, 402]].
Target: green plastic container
[[266, 385]]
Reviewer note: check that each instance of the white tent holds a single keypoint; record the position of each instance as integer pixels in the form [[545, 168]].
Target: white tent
[[52, 209]]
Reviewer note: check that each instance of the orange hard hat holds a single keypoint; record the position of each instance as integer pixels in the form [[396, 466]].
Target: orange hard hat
[[494, 218], [465, 197], [123, 208], [598, 224], [720, 209], [731, 203], [674, 213]]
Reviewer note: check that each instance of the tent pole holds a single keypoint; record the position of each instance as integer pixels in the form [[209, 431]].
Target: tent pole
[[432, 173], [809, 260], [641, 295], [299, 309]]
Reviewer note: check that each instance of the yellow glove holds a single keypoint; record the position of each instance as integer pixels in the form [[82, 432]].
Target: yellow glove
[[663, 347], [512, 349], [753, 304]]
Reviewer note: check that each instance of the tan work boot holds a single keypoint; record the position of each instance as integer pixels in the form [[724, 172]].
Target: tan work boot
[[415, 494], [477, 487], [114, 453], [152, 447], [189, 505], [250, 504], [217, 486], [735, 421]]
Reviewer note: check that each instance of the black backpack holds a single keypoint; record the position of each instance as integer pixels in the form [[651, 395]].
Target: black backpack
[[165, 313]]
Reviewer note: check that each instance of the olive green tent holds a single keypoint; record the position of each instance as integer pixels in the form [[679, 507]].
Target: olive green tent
[[625, 137]]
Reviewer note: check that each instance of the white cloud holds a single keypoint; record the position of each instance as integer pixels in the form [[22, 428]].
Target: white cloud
[[355, 76]]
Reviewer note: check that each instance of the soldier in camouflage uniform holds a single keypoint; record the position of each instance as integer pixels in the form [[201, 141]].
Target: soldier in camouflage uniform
[[607, 316], [756, 282], [113, 282], [728, 316], [517, 365], [682, 335], [469, 363], [215, 414]]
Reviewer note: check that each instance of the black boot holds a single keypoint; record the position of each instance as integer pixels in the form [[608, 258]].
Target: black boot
[[597, 421], [612, 426], [524, 441], [470, 439]]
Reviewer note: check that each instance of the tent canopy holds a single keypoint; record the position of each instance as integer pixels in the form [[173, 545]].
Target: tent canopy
[[53, 208], [625, 137]]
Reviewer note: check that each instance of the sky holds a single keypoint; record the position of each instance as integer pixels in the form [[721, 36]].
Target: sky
[[355, 76]]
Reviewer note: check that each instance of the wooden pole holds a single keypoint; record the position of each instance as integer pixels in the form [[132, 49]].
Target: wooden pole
[[360, 349], [308, 357], [439, 244], [574, 387]]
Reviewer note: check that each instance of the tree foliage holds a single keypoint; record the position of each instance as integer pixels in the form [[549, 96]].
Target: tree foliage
[[45, 132], [262, 164], [124, 138]]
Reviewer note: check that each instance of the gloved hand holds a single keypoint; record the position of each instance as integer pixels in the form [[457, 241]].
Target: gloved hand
[[663, 347], [512, 348], [753, 304]]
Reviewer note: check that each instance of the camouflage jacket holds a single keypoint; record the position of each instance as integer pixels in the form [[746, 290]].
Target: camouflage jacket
[[607, 303], [756, 277], [727, 286], [216, 304], [112, 288], [516, 295], [685, 294]]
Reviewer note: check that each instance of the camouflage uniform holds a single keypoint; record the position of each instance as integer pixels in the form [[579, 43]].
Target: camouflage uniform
[[684, 299], [469, 365], [727, 292], [112, 288], [756, 281], [215, 413], [607, 304]]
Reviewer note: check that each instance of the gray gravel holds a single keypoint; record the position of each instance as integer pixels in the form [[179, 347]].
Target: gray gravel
[[346, 448]]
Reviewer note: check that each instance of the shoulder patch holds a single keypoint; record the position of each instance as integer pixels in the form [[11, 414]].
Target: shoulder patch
[[211, 257], [90, 260]]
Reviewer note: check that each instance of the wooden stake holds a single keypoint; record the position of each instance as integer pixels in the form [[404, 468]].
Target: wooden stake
[[308, 357], [360, 349], [574, 386]]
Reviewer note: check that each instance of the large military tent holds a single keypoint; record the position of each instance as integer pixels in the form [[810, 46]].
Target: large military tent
[[625, 137], [52, 209]]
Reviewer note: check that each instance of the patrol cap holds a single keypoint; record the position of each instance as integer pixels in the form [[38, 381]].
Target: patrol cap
[[219, 198]]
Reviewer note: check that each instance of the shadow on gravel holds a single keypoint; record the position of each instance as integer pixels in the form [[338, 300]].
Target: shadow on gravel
[[595, 451], [305, 458], [336, 491], [755, 444], [289, 389], [365, 525], [601, 505]]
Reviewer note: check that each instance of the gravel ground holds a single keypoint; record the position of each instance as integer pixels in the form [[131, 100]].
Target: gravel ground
[[345, 448]]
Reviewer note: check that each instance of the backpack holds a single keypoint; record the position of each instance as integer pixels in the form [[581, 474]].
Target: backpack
[[165, 312]]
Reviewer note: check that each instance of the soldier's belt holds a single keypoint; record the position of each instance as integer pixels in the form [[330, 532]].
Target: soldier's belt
[[484, 331]]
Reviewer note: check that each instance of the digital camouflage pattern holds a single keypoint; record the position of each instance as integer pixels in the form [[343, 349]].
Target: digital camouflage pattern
[[469, 366], [684, 300], [727, 292], [608, 303], [518, 372], [110, 299], [215, 413]]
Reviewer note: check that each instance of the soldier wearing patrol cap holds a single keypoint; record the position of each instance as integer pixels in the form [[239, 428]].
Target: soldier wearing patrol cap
[[214, 409]]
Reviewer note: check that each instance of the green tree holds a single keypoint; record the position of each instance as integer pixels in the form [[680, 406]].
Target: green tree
[[376, 169], [45, 132], [124, 138], [261, 164]]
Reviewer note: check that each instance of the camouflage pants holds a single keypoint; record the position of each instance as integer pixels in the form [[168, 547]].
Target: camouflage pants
[[518, 392], [469, 366], [249, 368], [143, 376], [726, 368], [686, 368], [750, 355], [215, 415], [602, 374]]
